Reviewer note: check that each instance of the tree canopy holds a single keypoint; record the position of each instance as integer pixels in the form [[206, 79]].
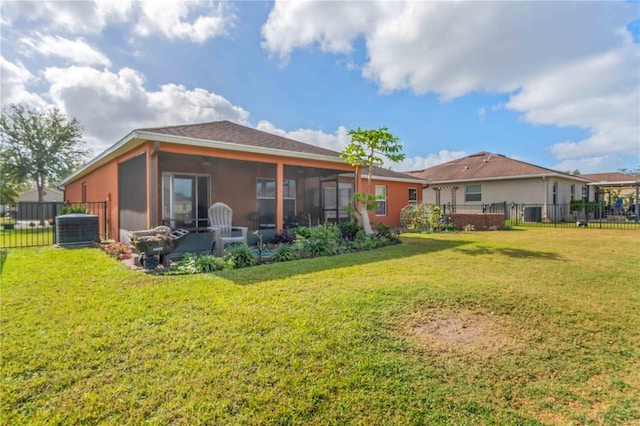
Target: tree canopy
[[38, 147], [367, 149]]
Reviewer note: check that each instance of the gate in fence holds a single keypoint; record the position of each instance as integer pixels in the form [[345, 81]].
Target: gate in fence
[[30, 224]]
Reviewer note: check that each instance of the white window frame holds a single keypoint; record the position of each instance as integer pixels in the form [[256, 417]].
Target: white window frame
[[381, 190], [413, 201], [473, 194]]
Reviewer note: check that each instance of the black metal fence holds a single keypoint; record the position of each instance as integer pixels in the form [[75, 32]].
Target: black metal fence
[[30, 224], [593, 215]]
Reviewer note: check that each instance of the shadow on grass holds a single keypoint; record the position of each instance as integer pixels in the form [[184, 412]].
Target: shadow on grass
[[515, 253], [3, 257], [275, 271]]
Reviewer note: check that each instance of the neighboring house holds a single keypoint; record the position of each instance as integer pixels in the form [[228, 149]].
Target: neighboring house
[[171, 175], [487, 178], [28, 208], [608, 187], [50, 195]]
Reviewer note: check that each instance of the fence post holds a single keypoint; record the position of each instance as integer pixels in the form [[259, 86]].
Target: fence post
[[104, 219]]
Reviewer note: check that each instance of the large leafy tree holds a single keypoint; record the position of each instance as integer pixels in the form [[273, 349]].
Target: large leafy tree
[[39, 147], [8, 186], [369, 148]]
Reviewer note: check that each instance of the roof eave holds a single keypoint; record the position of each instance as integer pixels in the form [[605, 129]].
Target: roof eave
[[417, 181], [230, 146]]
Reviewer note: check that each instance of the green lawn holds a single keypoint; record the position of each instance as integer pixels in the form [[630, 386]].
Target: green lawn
[[535, 326]]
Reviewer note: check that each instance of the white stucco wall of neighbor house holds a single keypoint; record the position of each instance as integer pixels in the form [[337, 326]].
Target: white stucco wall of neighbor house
[[521, 191]]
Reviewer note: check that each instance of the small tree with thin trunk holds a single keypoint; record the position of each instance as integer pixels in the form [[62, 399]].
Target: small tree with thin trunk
[[367, 149], [39, 147]]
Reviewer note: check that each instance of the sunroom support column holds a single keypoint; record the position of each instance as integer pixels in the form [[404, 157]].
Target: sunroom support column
[[152, 208], [279, 196]]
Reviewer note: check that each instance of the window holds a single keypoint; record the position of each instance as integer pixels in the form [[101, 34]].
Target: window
[[473, 193], [185, 200], [84, 192], [381, 195], [555, 192], [266, 200], [573, 192], [585, 193], [413, 196]]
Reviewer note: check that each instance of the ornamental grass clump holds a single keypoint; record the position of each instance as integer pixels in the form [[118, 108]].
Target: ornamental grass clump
[[285, 253]]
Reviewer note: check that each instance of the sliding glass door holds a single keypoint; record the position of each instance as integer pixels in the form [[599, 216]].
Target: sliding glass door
[[185, 200]]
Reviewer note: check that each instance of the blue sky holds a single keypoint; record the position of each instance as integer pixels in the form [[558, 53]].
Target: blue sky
[[556, 84]]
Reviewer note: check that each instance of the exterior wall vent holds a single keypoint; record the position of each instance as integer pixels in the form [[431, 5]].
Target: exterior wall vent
[[77, 230]]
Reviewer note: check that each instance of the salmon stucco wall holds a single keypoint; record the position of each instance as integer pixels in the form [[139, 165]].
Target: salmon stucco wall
[[101, 185], [397, 198]]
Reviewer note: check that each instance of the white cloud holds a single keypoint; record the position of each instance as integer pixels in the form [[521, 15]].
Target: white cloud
[[421, 163], [77, 51], [73, 17], [171, 20], [589, 165], [340, 139], [335, 142], [564, 63], [333, 25], [13, 89], [196, 21], [110, 105]]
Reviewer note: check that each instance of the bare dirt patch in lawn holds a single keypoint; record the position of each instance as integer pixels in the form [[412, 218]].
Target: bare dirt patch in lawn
[[472, 334]]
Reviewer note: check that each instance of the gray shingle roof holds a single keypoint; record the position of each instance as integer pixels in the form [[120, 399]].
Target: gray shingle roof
[[227, 131], [483, 165], [610, 177]]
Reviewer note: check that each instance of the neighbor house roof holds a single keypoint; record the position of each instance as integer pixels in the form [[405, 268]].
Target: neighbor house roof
[[485, 166], [225, 135], [610, 177]]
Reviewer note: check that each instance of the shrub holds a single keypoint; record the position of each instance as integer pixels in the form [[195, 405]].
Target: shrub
[[415, 217], [434, 218], [73, 208], [285, 253], [387, 232], [324, 240], [469, 227], [284, 237], [349, 230], [303, 231], [186, 265], [240, 255], [211, 264]]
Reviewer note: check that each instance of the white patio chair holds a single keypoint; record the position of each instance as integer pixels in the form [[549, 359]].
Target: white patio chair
[[220, 224]]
